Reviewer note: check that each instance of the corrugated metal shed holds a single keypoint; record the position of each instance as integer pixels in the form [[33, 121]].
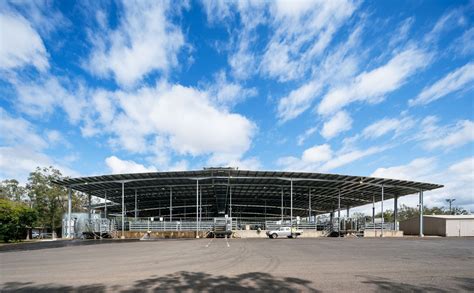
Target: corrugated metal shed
[[252, 191]]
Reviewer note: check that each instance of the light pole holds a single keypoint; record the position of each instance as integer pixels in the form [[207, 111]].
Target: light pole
[[450, 201]]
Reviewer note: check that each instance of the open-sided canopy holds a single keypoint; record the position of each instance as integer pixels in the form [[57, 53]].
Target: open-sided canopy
[[247, 193]]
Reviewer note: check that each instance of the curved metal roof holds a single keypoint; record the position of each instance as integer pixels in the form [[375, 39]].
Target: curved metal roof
[[253, 192]]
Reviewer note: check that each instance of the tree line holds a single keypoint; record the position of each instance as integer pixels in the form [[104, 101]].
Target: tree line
[[38, 204]]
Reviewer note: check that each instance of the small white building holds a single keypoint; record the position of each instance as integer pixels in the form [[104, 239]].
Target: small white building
[[440, 225]]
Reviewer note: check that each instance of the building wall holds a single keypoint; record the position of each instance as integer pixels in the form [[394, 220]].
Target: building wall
[[460, 227], [410, 226], [433, 226]]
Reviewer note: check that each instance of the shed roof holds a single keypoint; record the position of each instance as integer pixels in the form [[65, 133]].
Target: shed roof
[[253, 192]]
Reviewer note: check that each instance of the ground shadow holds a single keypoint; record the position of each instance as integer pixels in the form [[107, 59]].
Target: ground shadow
[[183, 281], [450, 285]]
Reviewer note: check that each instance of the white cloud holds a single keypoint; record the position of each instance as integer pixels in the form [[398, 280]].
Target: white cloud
[[145, 41], [340, 122], [300, 32], [16, 131], [40, 97], [303, 30], [302, 137], [460, 79], [464, 45], [417, 169], [118, 166], [372, 86], [336, 68], [445, 137], [387, 125], [322, 158], [228, 94], [464, 169], [298, 101], [179, 118], [22, 149], [351, 156], [20, 44], [457, 179], [318, 153], [450, 20]]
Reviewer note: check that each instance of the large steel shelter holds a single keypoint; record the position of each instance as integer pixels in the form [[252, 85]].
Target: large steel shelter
[[242, 193]]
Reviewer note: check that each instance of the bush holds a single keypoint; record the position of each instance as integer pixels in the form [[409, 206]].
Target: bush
[[15, 218]]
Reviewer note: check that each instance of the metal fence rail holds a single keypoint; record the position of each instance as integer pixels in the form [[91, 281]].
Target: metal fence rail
[[378, 226]]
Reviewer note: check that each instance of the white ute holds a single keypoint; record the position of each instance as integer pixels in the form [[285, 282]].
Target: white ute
[[284, 232]]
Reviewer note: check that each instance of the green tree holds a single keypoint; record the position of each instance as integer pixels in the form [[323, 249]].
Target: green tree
[[49, 199], [11, 189], [15, 218], [387, 216]]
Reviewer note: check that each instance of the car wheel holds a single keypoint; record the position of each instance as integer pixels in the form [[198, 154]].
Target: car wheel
[[274, 235]]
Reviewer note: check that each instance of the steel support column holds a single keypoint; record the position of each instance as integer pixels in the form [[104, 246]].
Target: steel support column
[[381, 207], [105, 207], [421, 213], [395, 212], [89, 206], [339, 212], [230, 201], [309, 204], [291, 203], [200, 205], [123, 210], [136, 205], [197, 208], [282, 205], [171, 204], [69, 210], [348, 211], [373, 210]]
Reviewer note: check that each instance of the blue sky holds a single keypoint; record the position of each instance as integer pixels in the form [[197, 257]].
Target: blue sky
[[382, 88]]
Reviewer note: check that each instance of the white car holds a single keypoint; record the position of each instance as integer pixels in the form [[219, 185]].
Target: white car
[[284, 232]]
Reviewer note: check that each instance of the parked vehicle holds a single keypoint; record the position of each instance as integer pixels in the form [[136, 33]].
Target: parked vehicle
[[284, 232]]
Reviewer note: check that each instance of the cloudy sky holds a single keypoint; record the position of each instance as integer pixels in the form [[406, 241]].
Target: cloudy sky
[[382, 88]]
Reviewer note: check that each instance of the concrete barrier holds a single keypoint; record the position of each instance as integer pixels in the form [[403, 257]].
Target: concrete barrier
[[386, 233], [163, 234], [262, 234]]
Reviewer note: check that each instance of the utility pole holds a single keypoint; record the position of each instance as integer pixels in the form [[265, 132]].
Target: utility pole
[[450, 201]]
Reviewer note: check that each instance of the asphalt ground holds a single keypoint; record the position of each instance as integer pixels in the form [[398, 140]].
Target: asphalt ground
[[235, 265]]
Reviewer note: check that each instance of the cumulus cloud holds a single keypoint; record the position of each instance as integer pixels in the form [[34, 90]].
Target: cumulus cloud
[[145, 41], [118, 166], [340, 122], [20, 44], [460, 79], [174, 117]]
